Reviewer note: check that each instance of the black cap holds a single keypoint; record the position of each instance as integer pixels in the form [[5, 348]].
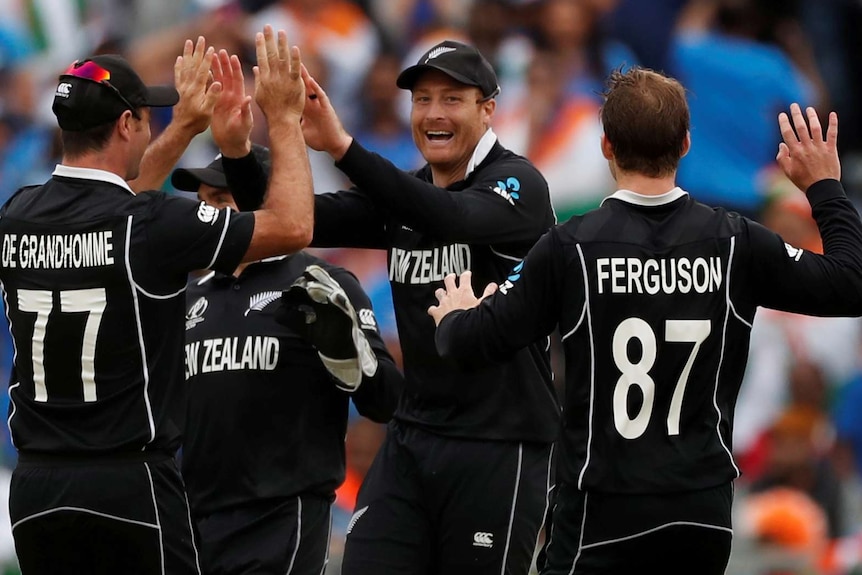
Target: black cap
[[460, 61], [98, 90], [190, 179]]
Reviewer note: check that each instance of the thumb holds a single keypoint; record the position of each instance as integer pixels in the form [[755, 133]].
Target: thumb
[[213, 93], [490, 289]]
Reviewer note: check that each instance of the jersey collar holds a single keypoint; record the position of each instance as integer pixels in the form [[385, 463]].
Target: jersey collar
[[483, 148], [642, 200], [91, 174]]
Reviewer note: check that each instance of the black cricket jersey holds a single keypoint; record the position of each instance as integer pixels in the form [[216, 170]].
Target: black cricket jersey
[[265, 418], [654, 298], [93, 279], [485, 223]]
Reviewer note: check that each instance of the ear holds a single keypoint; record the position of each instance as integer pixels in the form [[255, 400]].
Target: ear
[[607, 148], [489, 107], [686, 145], [125, 125]]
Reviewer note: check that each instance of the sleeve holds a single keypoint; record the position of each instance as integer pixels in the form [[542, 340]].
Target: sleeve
[[377, 396], [348, 219], [791, 279], [247, 180], [342, 219], [508, 202], [525, 308], [185, 235]]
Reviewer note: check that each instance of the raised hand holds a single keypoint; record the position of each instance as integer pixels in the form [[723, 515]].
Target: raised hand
[[232, 119], [321, 127], [804, 155], [454, 297], [278, 87], [192, 79]]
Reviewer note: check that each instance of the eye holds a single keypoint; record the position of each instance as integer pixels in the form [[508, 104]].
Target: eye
[[421, 99], [453, 99]]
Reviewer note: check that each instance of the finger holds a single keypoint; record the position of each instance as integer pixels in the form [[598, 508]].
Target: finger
[[440, 294], [218, 69], [449, 282], [467, 280], [256, 71], [202, 73], [295, 62], [281, 47], [269, 42], [787, 133], [236, 72], [799, 124], [814, 124], [313, 87], [832, 131], [188, 50], [199, 51], [260, 53]]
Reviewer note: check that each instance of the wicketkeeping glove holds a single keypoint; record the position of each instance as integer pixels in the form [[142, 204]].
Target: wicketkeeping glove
[[316, 307]]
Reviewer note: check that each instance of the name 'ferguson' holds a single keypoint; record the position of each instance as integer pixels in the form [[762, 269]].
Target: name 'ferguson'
[[666, 275]]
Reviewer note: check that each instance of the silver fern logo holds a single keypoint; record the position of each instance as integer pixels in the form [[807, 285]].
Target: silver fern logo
[[259, 301], [359, 513], [438, 52]]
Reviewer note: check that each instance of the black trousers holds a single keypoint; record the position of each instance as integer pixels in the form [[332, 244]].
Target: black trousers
[[440, 505], [668, 533], [102, 517], [289, 537]]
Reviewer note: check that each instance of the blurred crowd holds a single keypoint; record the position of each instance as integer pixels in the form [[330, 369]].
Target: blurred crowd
[[798, 437]]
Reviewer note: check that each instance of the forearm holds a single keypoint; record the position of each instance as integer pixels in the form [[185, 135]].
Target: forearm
[[161, 157], [378, 395]]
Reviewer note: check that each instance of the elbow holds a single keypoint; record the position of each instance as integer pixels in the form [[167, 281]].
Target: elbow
[[299, 237]]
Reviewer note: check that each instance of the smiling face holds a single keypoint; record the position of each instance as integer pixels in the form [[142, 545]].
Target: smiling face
[[448, 120]]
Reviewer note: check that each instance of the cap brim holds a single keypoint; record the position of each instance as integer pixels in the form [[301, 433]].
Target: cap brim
[[189, 179], [161, 96], [409, 76]]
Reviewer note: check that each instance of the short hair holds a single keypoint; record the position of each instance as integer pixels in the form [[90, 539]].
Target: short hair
[[646, 119], [78, 143]]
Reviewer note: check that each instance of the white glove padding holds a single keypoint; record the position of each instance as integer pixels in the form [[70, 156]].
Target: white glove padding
[[317, 307]]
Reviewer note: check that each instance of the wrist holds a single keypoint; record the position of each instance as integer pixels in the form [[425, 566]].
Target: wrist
[[340, 149], [236, 150]]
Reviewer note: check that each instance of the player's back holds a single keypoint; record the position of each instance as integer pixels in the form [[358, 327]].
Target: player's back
[[86, 335], [656, 351]]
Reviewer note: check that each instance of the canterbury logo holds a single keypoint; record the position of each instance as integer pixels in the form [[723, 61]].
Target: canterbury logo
[[207, 213], [261, 300], [438, 52], [482, 539], [63, 89], [366, 318], [355, 518]]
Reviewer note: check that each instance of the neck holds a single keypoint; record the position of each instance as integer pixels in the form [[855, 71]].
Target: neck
[[100, 160], [444, 176], [645, 185]]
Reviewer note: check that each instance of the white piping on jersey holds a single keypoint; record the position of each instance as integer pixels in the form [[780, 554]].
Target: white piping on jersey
[[298, 534], [14, 362], [328, 541], [548, 489], [643, 200], [144, 365], [580, 321], [83, 510], [581, 536], [206, 278], [221, 238], [158, 520], [721, 357], [504, 256], [589, 318], [483, 147], [660, 527], [192, 531], [91, 174], [514, 504]]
